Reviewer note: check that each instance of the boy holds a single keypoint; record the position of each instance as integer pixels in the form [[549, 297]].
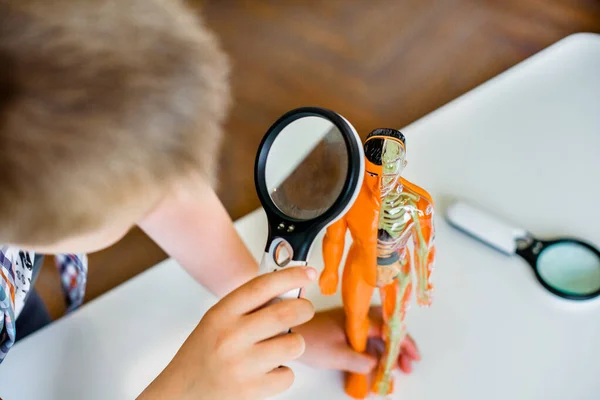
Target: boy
[[110, 117]]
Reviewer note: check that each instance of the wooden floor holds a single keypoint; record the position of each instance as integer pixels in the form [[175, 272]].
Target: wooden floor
[[381, 63]]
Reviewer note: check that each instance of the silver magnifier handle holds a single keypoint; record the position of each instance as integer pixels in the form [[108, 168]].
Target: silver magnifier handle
[[279, 256], [485, 227]]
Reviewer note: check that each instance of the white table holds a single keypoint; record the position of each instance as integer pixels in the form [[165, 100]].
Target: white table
[[525, 144]]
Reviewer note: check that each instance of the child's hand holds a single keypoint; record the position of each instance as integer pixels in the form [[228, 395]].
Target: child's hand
[[327, 347], [236, 351]]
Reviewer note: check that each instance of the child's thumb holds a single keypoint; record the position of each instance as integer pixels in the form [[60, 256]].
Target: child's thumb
[[349, 360]]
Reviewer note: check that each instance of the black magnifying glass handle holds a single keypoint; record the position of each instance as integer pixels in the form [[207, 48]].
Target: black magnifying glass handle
[[279, 255]]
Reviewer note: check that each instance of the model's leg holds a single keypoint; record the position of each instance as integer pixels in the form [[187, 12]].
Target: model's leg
[[395, 298], [356, 296]]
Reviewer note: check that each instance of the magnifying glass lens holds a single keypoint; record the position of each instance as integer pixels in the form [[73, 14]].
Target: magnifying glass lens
[[307, 168], [570, 267]]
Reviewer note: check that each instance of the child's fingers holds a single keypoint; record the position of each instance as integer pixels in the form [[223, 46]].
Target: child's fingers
[[410, 348], [275, 382], [261, 289], [344, 358], [375, 347], [271, 353], [405, 363], [274, 319]]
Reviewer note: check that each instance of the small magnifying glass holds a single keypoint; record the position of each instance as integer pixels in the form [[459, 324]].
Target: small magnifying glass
[[308, 172], [569, 268]]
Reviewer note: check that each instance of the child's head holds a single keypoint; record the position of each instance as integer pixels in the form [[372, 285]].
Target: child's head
[[105, 106]]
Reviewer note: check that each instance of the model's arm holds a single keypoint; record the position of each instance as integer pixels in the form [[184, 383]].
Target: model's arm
[[333, 251], [423, 216], [195, 229], [424, 256]]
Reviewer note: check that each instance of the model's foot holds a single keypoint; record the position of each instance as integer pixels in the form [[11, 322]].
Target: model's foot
[[383, 387], [357, 385]]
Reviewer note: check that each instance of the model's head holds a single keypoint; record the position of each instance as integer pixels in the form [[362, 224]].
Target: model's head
[[385, 153]]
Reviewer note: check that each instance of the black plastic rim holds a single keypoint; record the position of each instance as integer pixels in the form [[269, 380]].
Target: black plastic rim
[[531, 256], [304, 231]]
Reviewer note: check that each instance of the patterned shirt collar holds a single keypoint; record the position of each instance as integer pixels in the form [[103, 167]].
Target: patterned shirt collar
[[15, 282]]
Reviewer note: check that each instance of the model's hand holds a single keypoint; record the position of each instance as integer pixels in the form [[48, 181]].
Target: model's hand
[[328, 282], [327, 347], [236, 350]]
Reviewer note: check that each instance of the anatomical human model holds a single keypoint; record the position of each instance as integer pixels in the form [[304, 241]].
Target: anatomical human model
[[388, 213]]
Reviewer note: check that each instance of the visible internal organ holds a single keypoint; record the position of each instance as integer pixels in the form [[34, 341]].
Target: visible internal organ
[[387, 271], [395, 222]]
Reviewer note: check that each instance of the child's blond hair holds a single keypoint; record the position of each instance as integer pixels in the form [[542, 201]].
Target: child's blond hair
[[103, 106]]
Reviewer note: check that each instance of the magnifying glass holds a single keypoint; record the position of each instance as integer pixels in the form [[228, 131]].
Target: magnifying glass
[[569, 268], [308, 172]]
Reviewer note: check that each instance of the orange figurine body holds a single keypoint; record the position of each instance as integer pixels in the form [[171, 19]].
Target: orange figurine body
[[388, 213]]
